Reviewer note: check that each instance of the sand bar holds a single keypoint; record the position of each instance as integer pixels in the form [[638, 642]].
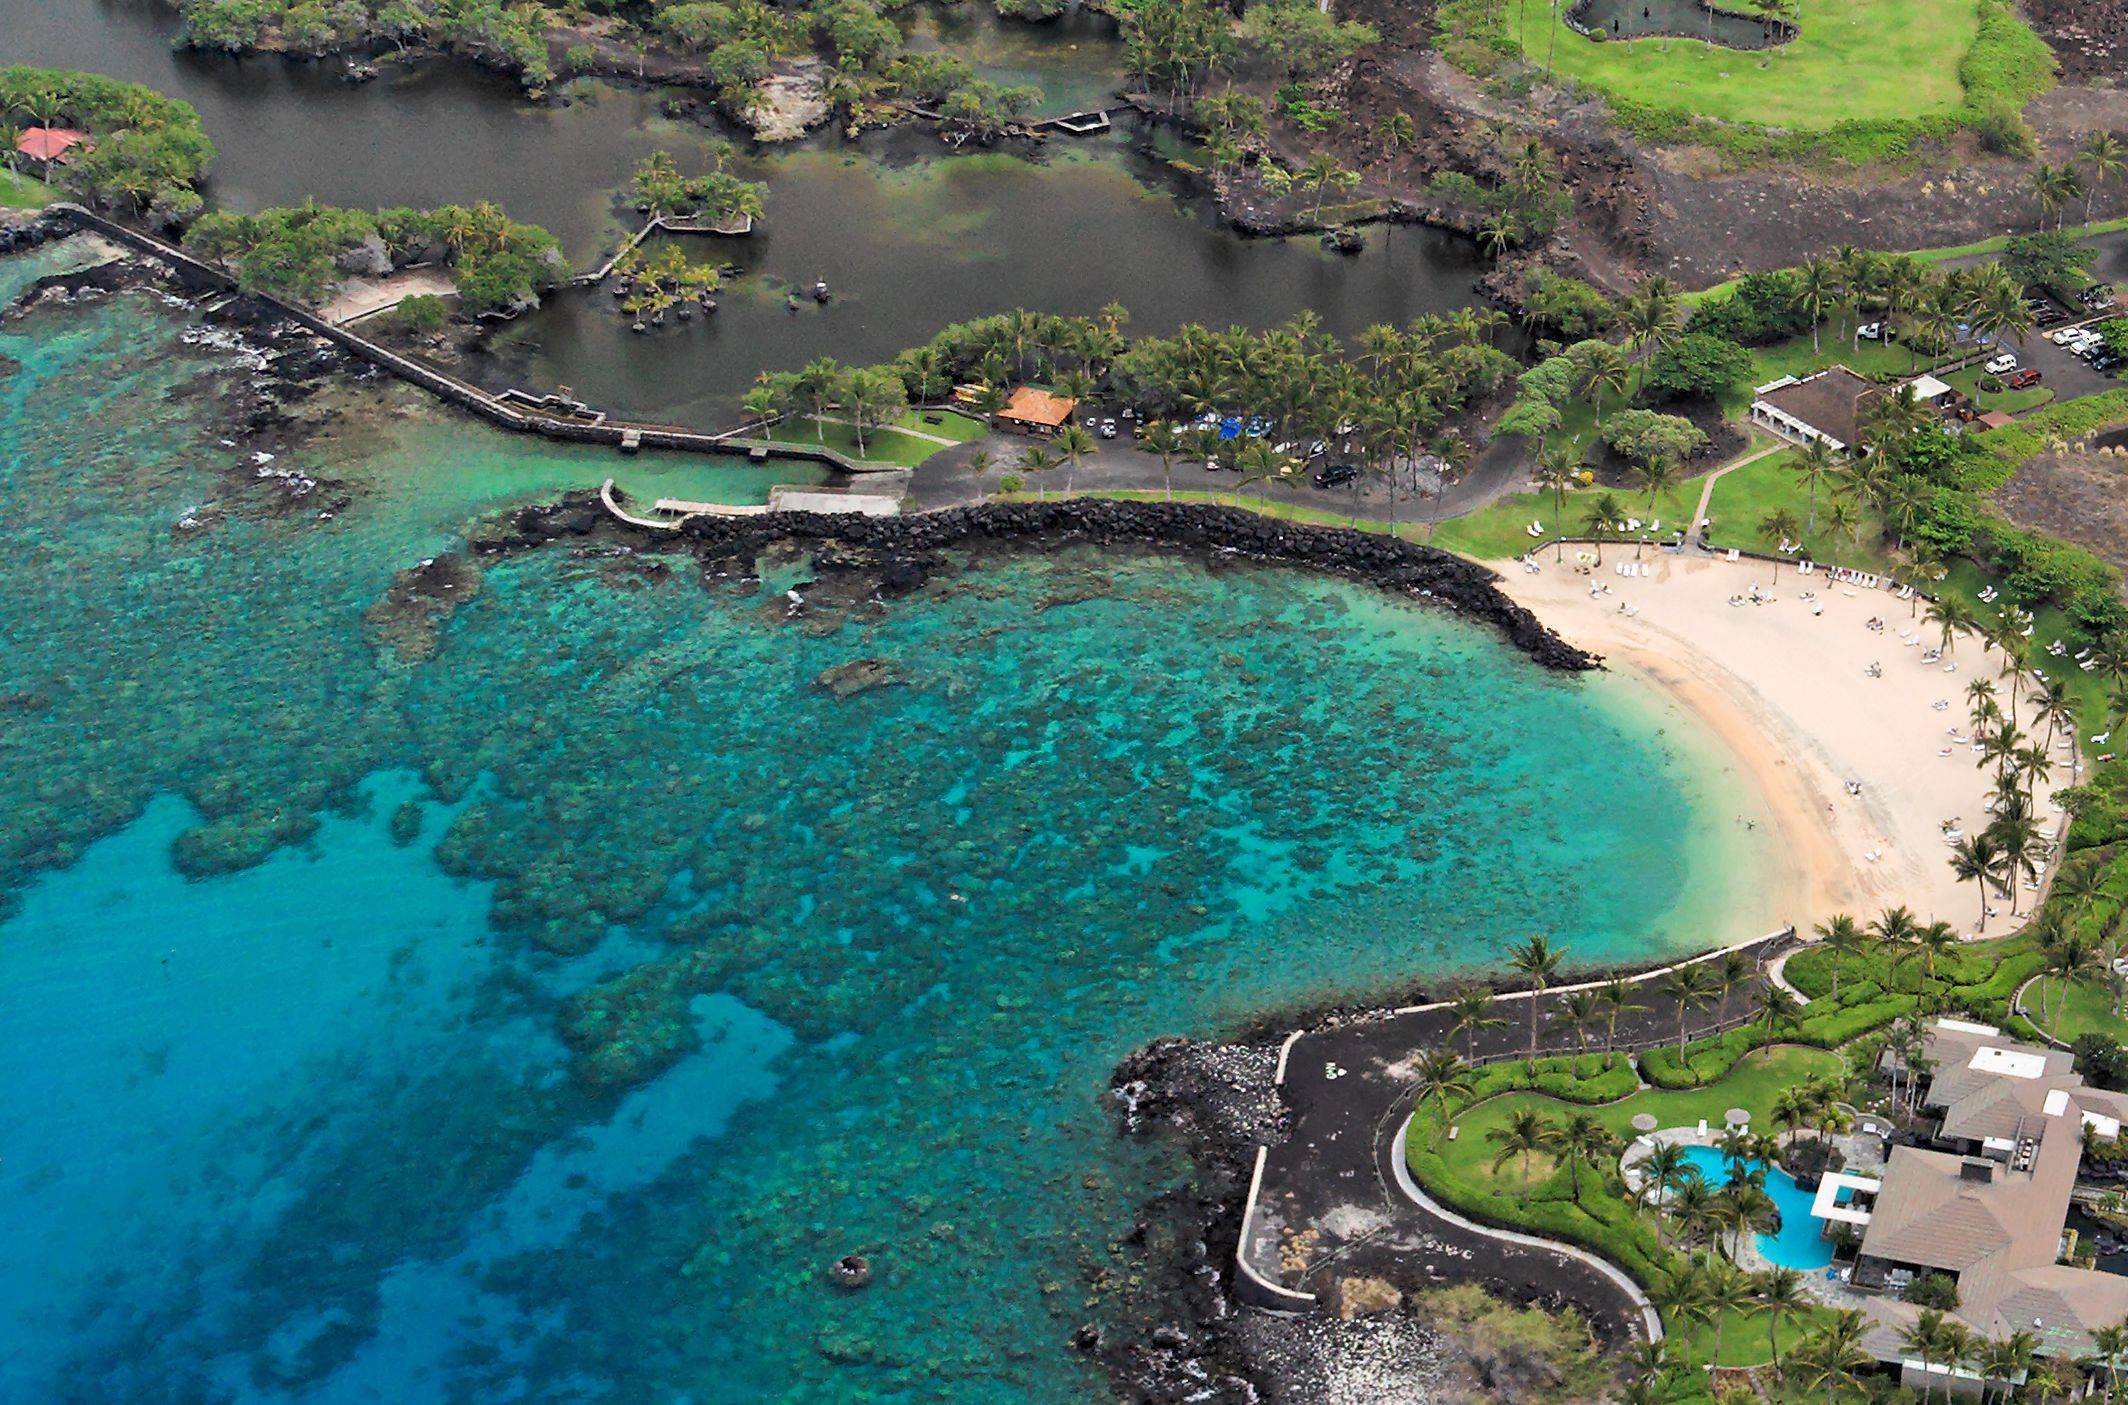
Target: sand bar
[[1784, 685]]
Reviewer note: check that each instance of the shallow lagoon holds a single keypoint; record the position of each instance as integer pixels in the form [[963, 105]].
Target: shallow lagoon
[[529, 1004]]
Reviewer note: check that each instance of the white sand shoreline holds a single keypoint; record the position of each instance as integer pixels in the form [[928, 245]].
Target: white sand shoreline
[[1783, 687]]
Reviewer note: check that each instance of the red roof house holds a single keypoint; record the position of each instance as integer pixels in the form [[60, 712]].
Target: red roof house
[[50, 144]]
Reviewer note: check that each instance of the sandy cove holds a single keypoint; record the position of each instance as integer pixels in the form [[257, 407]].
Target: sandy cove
[[1784, 686]]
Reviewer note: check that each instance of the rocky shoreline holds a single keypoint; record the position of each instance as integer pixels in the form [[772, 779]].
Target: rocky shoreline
[[901, 550]]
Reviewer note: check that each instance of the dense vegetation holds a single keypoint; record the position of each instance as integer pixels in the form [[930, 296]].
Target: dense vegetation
[[1386, 400], [301, 252], [149, 151]]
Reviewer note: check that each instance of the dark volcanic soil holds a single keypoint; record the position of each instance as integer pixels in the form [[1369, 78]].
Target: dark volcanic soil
[[2090, 37], [2080, 497]]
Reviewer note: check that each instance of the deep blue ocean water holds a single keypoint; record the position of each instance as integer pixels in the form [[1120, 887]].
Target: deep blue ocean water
[[526, 997]]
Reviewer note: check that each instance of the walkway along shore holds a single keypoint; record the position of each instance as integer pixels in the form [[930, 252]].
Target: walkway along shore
[[618, 434], [1335, 1188]]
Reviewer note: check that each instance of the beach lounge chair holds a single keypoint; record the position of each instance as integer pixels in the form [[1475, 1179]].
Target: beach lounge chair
[[1734, 554]]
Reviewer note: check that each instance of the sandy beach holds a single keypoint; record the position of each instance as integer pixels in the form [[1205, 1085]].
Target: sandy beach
[[1784, 685]]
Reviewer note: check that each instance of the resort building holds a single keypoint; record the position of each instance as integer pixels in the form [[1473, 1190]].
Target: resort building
[[1825, 405], [1985, 1204], [1032, 410]]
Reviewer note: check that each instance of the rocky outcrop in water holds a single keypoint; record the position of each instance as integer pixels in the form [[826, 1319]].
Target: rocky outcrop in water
[[898, 548]]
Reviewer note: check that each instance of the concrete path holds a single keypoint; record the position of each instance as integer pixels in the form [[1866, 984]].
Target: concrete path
[[1777, 976], [1706, 492]]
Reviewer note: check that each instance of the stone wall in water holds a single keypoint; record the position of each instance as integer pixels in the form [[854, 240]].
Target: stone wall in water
[[896, 546]]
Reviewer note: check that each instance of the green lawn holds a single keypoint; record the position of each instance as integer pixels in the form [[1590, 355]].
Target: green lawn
[[1745, 495], [2010, 402], [880, 446], [1836, 347], [1854, 60], [1500, 530], [21, 192], [2085, 1008], [1545, 1202], [944, 424]]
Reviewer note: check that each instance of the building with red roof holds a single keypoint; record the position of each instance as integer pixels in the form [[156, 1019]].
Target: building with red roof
[[51, 144]]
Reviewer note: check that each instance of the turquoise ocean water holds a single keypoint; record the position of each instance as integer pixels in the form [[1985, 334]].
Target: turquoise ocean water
[[526, 1000]]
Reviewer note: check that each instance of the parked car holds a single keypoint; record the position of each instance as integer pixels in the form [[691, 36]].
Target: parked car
[[1334, 474], [1108, 429], [1870, 331], [2024, 379], [2001, 364]]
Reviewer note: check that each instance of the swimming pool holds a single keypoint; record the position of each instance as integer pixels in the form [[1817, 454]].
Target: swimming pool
[[1798, 1245]]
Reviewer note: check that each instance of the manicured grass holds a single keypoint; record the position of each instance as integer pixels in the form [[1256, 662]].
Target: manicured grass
[[949, 424], [1756, 1081], [2084, 1008], [21, 192], [1943, 254], [1500, 529], [1745, 495], [2010, 402], [1603, 1217], [880, 446], [1836, 347], [1853, 61]]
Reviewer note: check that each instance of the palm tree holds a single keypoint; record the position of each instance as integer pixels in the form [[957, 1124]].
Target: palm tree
[[1687, 988], [1817, 292], [1779, 1008], [1617, 996], [1732, 971], [1781, 525], [1682, 1294], [1525, 1133], [1779, 1295], [2003, 1363], [1728, 1294], [1074, 443], [1597, 518], [1584, 1140], [2109, 1347], [1831, 1358], [1539, 961], [1662, 1168], [2055, 186], [1603, 367], [1035, 462], [1814, 466], [1471, 1011], [1555, 471], [1166, 441], [1579, 1012], [1952, 615], [1653, 317], [818, 386], [1976, 859], [1657, 476], [1441, 1076], [2104, 153], [1841, 937]]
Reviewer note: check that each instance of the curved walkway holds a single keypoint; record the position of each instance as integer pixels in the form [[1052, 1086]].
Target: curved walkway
[[1650, 1319], [1777, 975], [1706, 492]]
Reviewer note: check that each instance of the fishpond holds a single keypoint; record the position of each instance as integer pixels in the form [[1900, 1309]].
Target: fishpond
[[520, 978], [909, 236]]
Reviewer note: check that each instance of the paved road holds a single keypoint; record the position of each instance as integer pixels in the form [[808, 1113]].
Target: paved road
[[945, 480]]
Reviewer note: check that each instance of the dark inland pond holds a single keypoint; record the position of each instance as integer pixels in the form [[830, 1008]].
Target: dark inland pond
[[908, 236]]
